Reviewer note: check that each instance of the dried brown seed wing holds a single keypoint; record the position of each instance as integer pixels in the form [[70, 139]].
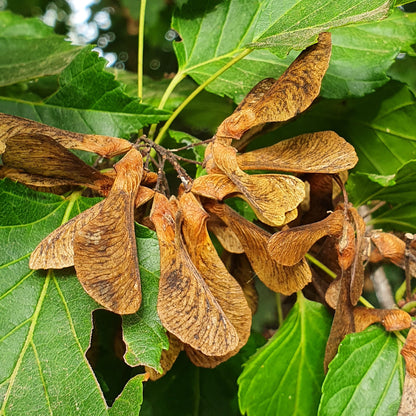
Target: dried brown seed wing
[[225, 236], [216, 186], [206, 361], [347, 252], [291, 94], [56, 251], [39, 154], [143, 195], [357, 268], [186, 307], [283, 279], [391, 319], [320, 152], [240, 268], [40, 183], [408, 402], [332, 293], [270, 196], [105, 253], [289, 246], [255, 94], [343, 322], [105, 146], [390, 247], [222, 285]]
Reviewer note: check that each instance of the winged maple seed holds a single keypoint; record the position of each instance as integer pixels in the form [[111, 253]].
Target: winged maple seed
[[38, 160], [186, 306], [408, 402], [100, 242], [227, 292], [291, 94], [105, 146], [279, 278]]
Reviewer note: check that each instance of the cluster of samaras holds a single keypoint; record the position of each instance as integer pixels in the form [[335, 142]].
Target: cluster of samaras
[[205, 309]]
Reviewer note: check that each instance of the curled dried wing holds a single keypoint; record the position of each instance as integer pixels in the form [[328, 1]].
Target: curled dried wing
[[291, 94], [391, 319], [38, 154], [271, 196], [289, 246]]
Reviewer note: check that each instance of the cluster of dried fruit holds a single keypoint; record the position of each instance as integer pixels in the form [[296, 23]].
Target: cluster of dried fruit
[[205, 306]]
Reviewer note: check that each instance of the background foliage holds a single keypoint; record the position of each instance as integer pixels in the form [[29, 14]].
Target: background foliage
[[367, 97]]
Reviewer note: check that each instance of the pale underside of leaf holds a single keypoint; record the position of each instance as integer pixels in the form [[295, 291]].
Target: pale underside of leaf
[[186, 306], [297, 33], [320, 152]]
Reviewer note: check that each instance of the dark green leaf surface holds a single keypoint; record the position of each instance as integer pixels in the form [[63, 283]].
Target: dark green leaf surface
[[189, 390], [401, 217], [143, 333], [85, 84], [362, 54], [30, 49], [46, 316], [284, 377], [398, 188], [366, 376], [130, 400], [114, 124], [214, 33], [404, 70]]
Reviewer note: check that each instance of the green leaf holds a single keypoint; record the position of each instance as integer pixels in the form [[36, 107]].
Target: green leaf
[[30, 49], [401, 217], [398, 188], [212, 33], [190, 390], [363, 53], [130, 400], [404, 70], [366, 376], [143, 332], [114, 124], [85, 84], [284, 377], [295, 23], [154, 89], [89, 100], [46, 316]]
